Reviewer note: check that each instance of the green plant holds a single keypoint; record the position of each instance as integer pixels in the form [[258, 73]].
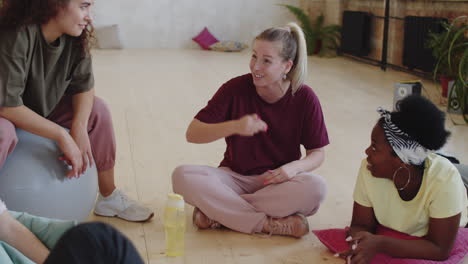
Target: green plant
[[450, 48], [320, 39]]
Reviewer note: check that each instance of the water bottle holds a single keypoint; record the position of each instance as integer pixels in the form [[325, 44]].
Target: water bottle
[[174, 225]]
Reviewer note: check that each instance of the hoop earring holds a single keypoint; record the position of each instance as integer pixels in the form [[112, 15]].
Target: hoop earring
[[407, 182]]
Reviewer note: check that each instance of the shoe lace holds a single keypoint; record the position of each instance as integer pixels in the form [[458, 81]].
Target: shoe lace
[[280, 228], [214, 224], [126, 201]]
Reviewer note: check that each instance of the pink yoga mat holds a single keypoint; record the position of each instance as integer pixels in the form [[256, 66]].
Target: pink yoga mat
[[334, 239]]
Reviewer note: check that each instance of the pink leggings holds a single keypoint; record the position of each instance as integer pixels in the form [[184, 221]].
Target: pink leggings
[[100, 129], [241, 202]]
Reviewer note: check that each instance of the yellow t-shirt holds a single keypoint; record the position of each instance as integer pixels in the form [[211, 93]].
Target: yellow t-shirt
[[441, 195]]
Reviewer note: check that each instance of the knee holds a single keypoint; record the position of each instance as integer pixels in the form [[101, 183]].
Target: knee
[[316, 188], [101, 111], [8, 138], [7, 141], [179, 178]]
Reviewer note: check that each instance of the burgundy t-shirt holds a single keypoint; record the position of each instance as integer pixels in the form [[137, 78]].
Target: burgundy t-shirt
[[292, 121]]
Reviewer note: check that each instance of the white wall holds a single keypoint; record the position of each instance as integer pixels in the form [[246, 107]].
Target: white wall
[[173, 23]]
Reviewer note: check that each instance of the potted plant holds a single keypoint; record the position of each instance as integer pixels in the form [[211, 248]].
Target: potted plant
[[320, 39], [450, 48]]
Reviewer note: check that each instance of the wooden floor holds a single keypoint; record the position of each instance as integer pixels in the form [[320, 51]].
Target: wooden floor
[[154, 94]]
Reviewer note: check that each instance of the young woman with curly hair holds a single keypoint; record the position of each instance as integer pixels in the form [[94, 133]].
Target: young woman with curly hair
[[47, 83]]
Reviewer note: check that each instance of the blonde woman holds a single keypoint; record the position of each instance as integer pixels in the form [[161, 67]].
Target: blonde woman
[[262, 184]]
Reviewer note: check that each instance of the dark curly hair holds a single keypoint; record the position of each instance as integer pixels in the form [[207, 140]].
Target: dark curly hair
[[16, 14], [421, 120]]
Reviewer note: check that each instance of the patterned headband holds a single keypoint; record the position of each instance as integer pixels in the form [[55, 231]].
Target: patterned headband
[[407, 149]]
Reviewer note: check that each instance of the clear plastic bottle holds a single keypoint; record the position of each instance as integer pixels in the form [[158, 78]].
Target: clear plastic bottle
[[174, 225]]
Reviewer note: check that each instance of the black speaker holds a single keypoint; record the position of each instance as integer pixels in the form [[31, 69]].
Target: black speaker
[[454, 104], [356, 33], [403, 89]]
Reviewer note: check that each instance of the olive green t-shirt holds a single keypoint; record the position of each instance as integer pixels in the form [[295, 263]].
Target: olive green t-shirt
[[37, 74]]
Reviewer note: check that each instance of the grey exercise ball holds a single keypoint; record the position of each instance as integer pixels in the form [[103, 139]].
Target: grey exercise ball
[[33, 180]]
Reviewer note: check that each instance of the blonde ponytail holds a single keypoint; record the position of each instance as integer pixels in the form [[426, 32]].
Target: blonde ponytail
[[298, 73]]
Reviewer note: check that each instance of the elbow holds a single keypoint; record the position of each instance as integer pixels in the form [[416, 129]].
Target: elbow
[[443, 255], [190, 137], [7, 111], [320, 157], [443, 252], [7, 226], [4, 112], [190, 133], [194, 134]]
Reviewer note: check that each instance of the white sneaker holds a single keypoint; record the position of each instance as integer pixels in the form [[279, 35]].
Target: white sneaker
[[118, 204]]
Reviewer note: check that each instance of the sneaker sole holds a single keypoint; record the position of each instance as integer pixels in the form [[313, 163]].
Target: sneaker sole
[[129, 220]]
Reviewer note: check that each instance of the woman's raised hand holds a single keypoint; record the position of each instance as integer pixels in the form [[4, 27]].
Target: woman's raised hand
[[250, 125]]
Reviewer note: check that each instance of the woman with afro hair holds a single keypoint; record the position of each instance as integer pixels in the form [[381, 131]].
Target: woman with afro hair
[[404, 186]]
